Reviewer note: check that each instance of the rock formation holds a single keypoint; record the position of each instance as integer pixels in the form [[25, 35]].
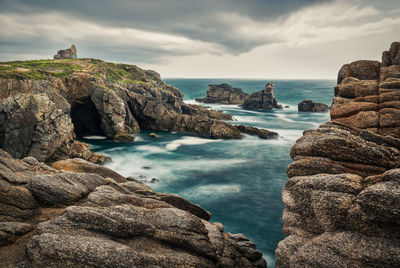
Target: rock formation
[[69, 53], [262, 100], [343, 194], [224, 94], [41, 111], [79, 214], [310, 106]]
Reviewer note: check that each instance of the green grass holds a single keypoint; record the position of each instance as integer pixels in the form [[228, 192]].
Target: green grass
[[43, 69]]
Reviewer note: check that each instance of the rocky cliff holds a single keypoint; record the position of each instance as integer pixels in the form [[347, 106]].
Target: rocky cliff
[[79, 214], [224, 94], [46, 104], [343, 194]]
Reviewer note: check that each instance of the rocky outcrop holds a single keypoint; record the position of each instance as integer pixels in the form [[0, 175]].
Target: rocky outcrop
[[81, 214], [261, 133], [262, 100], [224, 94], [69, 53], [310, 106], [93, 98], [342, 197]]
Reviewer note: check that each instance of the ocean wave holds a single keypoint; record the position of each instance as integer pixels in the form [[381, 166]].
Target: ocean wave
[[187, 140], [211, 191], [94, 137]]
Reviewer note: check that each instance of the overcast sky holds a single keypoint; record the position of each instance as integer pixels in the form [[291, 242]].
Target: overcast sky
[[298, 39]]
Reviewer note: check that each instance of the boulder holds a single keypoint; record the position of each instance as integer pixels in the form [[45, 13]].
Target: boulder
[[362, 69], [224, 94], [310, 106]]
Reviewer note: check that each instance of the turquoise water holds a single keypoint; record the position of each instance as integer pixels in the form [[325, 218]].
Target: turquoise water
[[239, 181]]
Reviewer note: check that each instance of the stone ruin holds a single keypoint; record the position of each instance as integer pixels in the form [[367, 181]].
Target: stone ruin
[[69, 53]]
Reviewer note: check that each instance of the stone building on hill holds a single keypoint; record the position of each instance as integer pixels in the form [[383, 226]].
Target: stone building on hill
[[69, 53]]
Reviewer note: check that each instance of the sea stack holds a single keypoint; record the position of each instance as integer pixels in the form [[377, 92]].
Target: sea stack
[[262, 100], [343, 194]]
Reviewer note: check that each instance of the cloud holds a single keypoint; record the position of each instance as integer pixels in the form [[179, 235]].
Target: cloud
[[207, 37]]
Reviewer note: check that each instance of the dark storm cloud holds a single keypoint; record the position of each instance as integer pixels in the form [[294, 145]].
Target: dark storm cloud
[[198, 20]]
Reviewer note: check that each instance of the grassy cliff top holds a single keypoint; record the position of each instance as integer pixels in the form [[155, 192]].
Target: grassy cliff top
[[43, 69]]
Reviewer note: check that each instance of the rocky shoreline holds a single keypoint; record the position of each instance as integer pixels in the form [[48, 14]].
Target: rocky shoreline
[[59, 208], [343, 193]]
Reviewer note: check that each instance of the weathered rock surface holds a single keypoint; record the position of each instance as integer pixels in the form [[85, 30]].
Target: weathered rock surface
[[310, 106], [343, 193], [262, 100], [224, 94], [42, 117], [85, 215]]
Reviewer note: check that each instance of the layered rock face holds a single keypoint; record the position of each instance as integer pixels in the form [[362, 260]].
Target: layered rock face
[[224, 94], [343, 193], [310, 106], [79, 214], [43, 109], [262, 100]]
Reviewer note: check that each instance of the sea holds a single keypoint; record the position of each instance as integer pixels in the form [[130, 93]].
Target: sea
[[238, 181]]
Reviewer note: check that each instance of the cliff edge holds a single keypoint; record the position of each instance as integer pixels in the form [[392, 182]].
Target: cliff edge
[[343, 194]]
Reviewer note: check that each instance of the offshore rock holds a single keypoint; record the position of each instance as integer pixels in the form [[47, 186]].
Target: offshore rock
[[224, 94], [342, 197], [87, 215], [310, 106], [262, 100]]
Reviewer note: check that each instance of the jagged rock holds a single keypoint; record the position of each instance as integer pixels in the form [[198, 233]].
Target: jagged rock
[[391, 57], [261, 133], [262, 100], [32, 125], [69, 53], [224, 94], [342, 198], [84, 217], [310, 106]]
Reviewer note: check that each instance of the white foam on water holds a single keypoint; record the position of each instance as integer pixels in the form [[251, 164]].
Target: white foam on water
[[150, 149], [211, 191], [248, 119], [187, 140], [138, 138], [94, 137]]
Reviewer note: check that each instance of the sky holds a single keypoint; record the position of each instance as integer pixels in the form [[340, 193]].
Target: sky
[[285, 39]]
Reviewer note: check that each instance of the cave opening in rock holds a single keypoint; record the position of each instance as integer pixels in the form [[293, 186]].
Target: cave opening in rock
[[86, 119]]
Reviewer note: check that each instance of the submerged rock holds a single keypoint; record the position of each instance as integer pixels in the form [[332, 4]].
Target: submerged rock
[[87, 215], [343, 193], [262, 100], [261, 133], [224, 94], [154, 135], [310, 106]]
